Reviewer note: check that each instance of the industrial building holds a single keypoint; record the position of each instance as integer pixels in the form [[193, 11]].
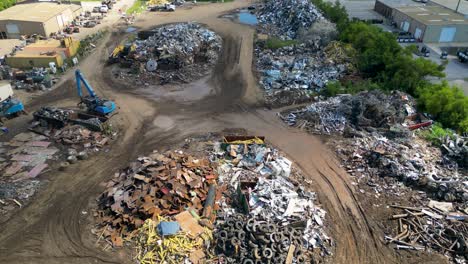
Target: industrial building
[[43, 52], [385, 7], [432, 24], [42, 18]]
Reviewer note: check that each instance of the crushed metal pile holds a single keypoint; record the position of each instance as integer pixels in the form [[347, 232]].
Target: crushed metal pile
[[291, 75], [294, 73], [158, 185], [367, 110], [286, 18], [174, 53], [438, 226], [240, 204]]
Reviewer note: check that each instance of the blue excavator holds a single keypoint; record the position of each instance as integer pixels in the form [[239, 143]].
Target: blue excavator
[[93, 103]]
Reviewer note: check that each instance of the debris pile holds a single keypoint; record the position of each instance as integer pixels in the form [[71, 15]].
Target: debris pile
[[367, 110], [158, 185], [294, 71], [243, 196], [290, 75], [22, 159], [286, 18], [456, 149], [379, 141], [437, 226], [260, 179], [176, 52], [155, 245]]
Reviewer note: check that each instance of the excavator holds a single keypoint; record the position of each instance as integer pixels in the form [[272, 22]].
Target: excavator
[[93, 103], [120, 52]]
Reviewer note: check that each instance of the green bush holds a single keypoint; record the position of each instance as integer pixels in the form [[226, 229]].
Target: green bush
[[4, 4], [276, 43], [447, 104], [335, 87]]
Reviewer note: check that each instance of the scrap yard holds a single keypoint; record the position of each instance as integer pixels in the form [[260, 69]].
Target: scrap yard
[[208, 132]]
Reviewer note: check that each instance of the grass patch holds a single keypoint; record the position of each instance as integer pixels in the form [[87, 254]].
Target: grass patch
[[436, 133], [276, 43], [137, 7]]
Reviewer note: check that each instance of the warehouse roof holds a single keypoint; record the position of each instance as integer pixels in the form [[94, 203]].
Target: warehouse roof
[[433, 15], [36, 12], [399, 3]]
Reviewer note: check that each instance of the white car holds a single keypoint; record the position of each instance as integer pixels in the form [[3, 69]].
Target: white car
[[104, 9]]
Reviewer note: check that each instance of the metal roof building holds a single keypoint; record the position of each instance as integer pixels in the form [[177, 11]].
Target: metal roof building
[[432, 24], [36, 18], [385, 7]]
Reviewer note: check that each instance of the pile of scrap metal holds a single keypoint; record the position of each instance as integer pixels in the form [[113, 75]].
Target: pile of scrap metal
[[378, 140], [456, 148], [81, 133], [291, 74], [22, 159], [243, 196], [172, 185], [31, 80], [176, 52], [369, 111], [439, 226], [279, 219], [286, 18]]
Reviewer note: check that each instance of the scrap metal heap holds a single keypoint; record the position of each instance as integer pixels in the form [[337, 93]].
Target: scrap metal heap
[[294, 73], [286, 18], [158, 185], [238, 202], [176, 52], [380, 150], [437, 226], [279, 217]]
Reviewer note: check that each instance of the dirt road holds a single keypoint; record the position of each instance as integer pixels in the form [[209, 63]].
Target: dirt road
[[55, 227]]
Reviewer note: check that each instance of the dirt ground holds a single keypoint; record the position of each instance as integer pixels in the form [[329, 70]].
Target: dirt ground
[[55, 227]]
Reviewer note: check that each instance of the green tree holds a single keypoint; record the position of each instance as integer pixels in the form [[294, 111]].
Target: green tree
[[446, 103]]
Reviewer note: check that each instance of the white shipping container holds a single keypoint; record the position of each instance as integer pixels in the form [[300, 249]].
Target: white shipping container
[[5, 90]]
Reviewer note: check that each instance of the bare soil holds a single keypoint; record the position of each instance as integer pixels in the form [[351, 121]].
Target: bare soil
[[55, 227]]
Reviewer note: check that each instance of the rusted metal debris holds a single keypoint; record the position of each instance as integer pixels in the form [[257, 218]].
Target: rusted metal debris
[[158, 185], [432, 227]]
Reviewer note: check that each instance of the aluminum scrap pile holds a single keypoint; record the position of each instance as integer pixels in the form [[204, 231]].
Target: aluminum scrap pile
[[158, 185], [371, 110], [456, 149], [272, 199], [184, 51], [285, 18], [291, 74], [438, 226]]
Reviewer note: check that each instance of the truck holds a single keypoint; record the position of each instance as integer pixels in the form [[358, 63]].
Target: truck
[[463, 56]]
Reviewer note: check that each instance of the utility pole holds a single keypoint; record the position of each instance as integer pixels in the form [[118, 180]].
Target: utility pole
[[458, 5]]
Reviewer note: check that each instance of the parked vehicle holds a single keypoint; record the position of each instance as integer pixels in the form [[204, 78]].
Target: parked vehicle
[[104, 9], [462, 56], [96, 9]]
